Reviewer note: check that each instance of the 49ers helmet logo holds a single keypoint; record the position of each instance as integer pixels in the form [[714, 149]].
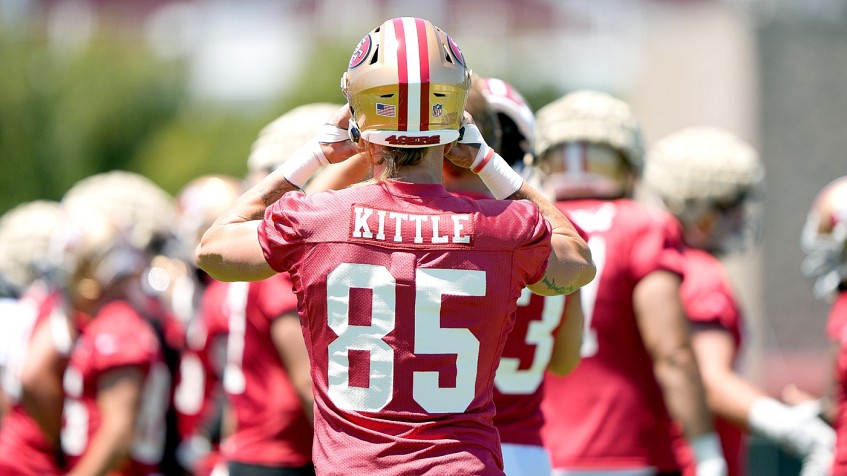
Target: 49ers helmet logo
[[361, 52], [456, 51]]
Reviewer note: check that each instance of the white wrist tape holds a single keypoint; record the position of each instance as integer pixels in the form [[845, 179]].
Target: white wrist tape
[[501, 179], [330, 134], [473, 136], [304, 162], [707, 447], [709, 455]]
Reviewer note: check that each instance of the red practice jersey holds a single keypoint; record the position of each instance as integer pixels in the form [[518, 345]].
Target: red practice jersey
[[201, 361], [406, 295], [609, 412], [24, 448], [117, 337], [271, 426], [710, 302], [837, 331]]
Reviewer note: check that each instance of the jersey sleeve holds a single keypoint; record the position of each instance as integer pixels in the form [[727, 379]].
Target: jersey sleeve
[[707, 292], [657, 247], [532, 256], [122, 338], [275, 297], [278, 232]]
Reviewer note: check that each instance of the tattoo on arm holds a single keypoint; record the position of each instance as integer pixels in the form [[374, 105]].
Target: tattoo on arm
[[551, 285]]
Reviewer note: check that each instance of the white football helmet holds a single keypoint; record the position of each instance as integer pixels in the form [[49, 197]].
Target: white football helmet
[[26, 233], [824, 239], [710, 180], [407, 84]]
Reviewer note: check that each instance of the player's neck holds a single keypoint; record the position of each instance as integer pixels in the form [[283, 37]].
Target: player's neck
[[428, 170]]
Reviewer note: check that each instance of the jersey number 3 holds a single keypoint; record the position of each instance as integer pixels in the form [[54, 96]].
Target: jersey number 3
[[430, 337]]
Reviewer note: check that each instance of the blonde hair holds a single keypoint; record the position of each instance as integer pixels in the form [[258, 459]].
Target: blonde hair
[[393, 158]]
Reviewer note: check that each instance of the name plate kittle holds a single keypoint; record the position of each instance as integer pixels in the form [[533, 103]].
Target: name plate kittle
[[393, 227]]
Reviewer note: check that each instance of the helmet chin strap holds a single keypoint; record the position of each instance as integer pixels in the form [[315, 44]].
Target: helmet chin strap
[[353, 131]]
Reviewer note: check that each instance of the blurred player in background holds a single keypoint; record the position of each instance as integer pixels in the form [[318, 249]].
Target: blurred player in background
[[710, 180], [38, 330], [199, 399], [824, 242], [402, 342], [638, 368], [118, 384], [267, 377]]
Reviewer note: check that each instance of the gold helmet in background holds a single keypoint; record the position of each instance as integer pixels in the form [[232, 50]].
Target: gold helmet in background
[[285, 134], [710, 179], [133, 202], [26, 234], [590, 145]]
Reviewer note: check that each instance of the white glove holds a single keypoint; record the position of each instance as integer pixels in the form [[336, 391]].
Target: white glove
[[796, 428], [818, 462], [709, 455]]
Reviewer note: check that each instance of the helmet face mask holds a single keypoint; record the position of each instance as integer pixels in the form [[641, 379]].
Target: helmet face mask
[[407, 85], [583, 170]]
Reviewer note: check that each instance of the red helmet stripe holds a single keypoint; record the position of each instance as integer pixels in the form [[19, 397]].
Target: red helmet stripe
[[423, 58], [403, 76]]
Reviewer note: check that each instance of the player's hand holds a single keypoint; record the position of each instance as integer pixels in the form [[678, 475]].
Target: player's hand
[[465, 151], [335, 142]]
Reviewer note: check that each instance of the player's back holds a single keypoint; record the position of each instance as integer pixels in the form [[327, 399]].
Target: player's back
[[608, 411], [408, 294]]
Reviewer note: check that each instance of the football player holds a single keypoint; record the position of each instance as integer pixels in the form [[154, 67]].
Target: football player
[[638, 369], [38, 332], [824, 243], [198, 396], [118, 384], [406, 292], [709, 179]]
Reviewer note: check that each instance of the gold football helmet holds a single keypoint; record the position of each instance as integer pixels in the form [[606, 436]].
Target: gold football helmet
[[711, 180], [590, 145], [407, 84]]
